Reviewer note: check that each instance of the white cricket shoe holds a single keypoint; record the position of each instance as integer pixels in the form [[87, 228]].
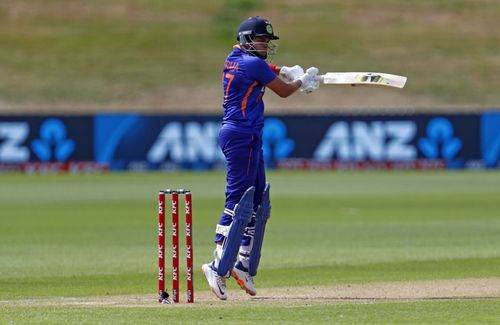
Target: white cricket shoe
[[245, 280], [217, 283]]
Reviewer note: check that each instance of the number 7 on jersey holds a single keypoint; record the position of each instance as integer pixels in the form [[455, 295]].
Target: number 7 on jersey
[[230, 78]]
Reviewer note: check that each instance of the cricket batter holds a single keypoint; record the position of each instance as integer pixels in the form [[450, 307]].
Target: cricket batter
[[246, 74]]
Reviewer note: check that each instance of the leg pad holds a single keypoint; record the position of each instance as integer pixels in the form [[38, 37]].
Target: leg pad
[[242, 215], [263, 213]]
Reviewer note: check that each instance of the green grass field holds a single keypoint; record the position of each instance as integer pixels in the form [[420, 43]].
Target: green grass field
[[82, 249]]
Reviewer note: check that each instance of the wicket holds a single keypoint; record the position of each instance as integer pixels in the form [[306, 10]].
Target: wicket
[[163, 295]]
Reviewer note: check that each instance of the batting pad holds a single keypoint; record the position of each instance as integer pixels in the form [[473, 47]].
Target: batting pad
[[242, 215]]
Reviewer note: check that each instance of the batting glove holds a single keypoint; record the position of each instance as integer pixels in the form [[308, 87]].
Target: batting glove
[[290, 74], [309, 80]]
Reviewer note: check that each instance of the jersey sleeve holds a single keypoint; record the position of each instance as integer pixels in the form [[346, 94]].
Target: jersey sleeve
[[259, 70]]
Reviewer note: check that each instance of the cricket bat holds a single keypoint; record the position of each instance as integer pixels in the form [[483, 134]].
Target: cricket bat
[[363, 78]]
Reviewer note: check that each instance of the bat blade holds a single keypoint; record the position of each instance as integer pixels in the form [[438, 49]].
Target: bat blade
[[364, 78]]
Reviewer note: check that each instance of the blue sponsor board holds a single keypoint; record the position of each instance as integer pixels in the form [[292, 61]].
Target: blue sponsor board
[[453, 139], [490, 139], [130, 141], [46, 139], [163, 142]]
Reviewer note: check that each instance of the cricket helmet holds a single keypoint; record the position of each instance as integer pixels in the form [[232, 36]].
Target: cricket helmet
[[255, 26]]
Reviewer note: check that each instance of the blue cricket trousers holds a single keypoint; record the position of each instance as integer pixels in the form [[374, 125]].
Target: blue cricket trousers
[[245, 168]]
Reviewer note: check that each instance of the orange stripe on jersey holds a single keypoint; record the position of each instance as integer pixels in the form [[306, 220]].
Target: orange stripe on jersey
[[245, 99]]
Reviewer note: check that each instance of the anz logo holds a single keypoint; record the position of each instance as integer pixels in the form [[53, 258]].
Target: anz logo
[[189, 142], [12, 138], [440, 141], [196, 141], [388, 141], [51, 144], [276, 145], [360, 140]]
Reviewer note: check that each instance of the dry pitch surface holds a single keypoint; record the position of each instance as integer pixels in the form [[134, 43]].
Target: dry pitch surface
[[488, 288]]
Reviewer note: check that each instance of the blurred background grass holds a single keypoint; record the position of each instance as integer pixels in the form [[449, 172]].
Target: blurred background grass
[[161, 55]]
